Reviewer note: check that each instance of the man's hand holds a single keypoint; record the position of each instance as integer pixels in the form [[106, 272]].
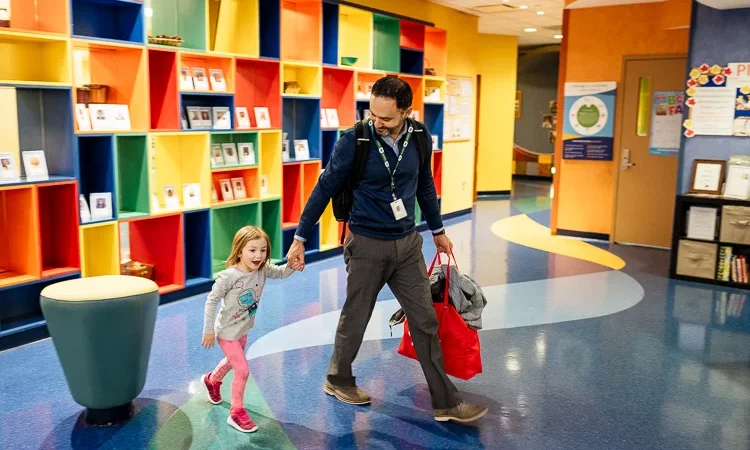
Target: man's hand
[[295, 258], [443, 244]]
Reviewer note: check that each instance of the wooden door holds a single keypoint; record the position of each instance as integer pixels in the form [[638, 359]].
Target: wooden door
[[647, 181]]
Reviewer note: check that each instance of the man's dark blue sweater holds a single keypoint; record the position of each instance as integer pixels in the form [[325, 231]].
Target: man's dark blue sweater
[[371, 214]]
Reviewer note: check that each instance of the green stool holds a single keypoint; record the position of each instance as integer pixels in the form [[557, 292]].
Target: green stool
[[102, 329]]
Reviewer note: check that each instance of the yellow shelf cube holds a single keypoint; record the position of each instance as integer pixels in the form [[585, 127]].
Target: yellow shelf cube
[[100, 249], [270, 164], [50, 62], [234, 27], [355, 36], [179, 159], [308, 76]]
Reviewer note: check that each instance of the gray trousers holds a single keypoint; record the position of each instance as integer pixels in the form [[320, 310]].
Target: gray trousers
[[370, 264]]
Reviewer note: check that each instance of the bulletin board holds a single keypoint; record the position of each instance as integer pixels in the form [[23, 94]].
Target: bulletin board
[[458, 110]]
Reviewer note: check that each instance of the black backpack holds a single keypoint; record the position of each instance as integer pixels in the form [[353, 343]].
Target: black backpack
[[343, 201]]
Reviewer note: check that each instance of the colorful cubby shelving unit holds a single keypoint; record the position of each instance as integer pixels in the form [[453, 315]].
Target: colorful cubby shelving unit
[[258, 45]]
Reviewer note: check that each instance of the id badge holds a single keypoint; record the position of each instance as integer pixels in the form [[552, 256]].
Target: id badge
[[399, 211]]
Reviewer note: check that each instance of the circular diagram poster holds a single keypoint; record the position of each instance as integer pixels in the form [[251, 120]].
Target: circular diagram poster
[[588, 130]]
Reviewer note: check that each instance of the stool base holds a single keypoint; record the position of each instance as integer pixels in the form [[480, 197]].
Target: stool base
[[110, 416]]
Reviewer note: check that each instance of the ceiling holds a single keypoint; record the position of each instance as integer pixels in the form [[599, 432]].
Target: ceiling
[[499, 17]]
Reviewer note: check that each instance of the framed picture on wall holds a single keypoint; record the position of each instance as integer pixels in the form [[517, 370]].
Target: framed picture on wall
[[708, 176]]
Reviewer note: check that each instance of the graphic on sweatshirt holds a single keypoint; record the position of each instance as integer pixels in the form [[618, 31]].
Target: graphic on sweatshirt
[[248, 301]]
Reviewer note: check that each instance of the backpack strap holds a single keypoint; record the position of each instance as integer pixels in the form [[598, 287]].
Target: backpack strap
[[361, 152], [421, 140]]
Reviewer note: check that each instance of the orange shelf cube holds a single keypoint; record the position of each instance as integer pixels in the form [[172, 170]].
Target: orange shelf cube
[[437, 171], [436, 50], [20, 255], [123, 69], [58, 220], [412, 35], [310, 175], [258, 84], [249, 176], [200, 60], [338, 94], [416, 84], [51, 16], [292, 196], [159, 241], [301, 30], [164, 90]]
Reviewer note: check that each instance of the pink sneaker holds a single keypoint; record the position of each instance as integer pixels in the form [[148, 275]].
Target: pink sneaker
[[241, 421], [213, 388]]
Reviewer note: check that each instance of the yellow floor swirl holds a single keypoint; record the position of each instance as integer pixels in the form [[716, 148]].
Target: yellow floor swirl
[[522, 230]]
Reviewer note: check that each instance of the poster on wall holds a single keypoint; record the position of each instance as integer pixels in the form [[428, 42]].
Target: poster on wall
[[457, 122], [588, 130], [667, 111], [718, 99]]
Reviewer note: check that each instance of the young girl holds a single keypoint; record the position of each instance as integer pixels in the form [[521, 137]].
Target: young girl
[[240, 287]]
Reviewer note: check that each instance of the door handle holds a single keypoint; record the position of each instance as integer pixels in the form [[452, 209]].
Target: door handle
[[625, 163]]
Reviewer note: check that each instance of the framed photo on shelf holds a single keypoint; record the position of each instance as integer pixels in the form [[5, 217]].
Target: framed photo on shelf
[[264, 185], [230, 154], [83, 208], [82, 117], [333, 117], [121, 117], [243, 119], [238, 186], [8, 171], [194, 117], [206, 121], [435, 142], [262, 117], [35, 164], [285, 156], [186, 81], [708, 176], [323, 119], [101, 205], [184, 120], [171, 200], [247, 154], [214, 195], [222, 118], [218, 82], [217, 157], [100, 117], [226, 189], [738, 182], [191, 195], [301, 150], [200, 80]]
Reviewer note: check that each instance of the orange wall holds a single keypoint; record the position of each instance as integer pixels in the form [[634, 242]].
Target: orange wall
[[597, 39]]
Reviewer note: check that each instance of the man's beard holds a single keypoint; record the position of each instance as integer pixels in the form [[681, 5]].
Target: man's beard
[[386, 131]]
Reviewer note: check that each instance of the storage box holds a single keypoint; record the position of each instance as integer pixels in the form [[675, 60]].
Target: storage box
[[697, 259], [735, 225]]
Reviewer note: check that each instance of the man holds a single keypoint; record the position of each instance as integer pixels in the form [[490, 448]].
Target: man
[[383, 246]]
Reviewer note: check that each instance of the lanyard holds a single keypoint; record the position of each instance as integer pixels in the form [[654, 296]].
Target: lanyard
[[385, 160]]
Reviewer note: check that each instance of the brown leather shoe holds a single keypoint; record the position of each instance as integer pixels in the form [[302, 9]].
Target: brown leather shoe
[[462, 413], [351, 395]]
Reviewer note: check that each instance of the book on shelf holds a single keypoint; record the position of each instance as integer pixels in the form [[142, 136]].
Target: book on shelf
[[732, 267]]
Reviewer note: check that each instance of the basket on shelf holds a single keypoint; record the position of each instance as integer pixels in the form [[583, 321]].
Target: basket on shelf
[[97, 93], [291, 87], [137, 269], [169, 41]]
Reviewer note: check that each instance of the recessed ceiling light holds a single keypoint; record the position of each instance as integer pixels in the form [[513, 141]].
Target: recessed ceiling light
[[540, 13], [523, 7], [506, 1], [558, 36], [530, 30]]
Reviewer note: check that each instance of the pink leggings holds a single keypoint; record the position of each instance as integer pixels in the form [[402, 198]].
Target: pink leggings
[[235, 359]]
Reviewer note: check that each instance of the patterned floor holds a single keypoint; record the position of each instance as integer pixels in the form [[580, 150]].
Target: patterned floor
[[576, 356]]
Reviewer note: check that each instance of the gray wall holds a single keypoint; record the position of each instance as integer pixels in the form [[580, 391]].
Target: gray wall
[[537, 81]]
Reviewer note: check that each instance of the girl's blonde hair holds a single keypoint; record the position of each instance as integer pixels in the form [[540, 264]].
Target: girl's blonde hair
[[241, 238]]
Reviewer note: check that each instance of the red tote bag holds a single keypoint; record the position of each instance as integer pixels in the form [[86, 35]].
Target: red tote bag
[[460, 344]]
